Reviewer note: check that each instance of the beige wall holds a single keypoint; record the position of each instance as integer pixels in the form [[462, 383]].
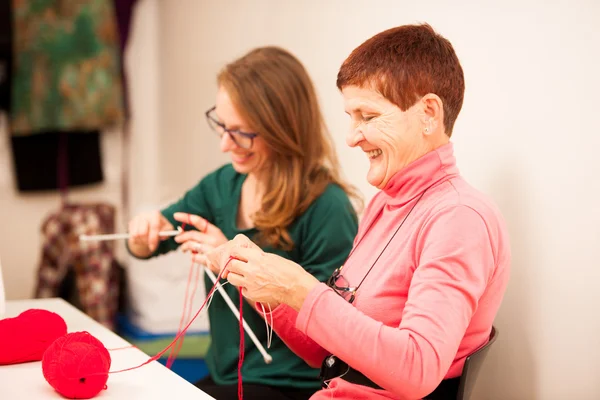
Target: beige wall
[[526, 135]]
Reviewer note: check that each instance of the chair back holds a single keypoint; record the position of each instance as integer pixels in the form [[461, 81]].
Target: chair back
[[472, 367]]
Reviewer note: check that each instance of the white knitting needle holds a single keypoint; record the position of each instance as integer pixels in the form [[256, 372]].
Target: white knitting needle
[[119, 236], [235, 311]]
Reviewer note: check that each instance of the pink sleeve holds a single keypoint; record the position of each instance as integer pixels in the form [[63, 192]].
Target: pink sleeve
[[284, 324], [454, 264]]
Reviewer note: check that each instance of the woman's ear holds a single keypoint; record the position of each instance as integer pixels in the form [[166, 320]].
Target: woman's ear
[[433, 113]]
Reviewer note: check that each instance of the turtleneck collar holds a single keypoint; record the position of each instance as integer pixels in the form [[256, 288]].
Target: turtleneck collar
[[419, 175]]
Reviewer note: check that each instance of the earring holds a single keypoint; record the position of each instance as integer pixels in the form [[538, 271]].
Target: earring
[[426, 130]]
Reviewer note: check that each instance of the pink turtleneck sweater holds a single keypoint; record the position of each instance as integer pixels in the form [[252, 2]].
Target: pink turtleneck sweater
[[430, 299]]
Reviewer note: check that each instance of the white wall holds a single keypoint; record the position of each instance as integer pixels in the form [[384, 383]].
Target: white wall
[[527, 135]]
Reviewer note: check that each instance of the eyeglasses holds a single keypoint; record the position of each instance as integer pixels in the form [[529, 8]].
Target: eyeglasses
[[341, 286], [242, 139]]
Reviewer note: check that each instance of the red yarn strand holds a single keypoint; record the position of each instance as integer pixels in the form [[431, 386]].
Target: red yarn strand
[[157, 356], [188, 300], [175, 350], [183, 320], [123, 348]]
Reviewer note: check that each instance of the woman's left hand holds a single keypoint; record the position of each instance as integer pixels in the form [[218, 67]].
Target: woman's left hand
[[206, 239], [268, 278]]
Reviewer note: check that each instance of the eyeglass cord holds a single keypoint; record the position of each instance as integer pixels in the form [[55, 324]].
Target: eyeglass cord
[[387, 244]]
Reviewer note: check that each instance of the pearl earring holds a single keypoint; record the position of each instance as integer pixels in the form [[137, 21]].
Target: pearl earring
[[426, 130]]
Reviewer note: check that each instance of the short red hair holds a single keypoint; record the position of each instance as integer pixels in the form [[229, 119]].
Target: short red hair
[[406, 63]]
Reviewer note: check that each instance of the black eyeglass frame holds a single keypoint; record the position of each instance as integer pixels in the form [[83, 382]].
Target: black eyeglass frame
[[331, 282], [231, 132]]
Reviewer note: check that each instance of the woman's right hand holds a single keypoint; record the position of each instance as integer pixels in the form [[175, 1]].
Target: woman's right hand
[[218, 257], [143, 231]]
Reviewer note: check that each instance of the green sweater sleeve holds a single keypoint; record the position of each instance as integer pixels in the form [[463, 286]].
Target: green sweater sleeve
[[330, 227]]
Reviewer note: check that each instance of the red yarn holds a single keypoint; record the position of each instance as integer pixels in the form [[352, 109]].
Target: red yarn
[[26, 337], [187, 311], [76, 365], [185, 316], [187, 305], [122, 348], [163, 351]]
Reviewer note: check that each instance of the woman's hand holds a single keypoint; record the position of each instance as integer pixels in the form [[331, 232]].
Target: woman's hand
[[143, 231], [218, 257], [199, 243], [264, 277]]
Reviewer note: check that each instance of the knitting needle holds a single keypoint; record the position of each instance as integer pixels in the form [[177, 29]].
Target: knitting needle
[[235, 311], [119, 236]]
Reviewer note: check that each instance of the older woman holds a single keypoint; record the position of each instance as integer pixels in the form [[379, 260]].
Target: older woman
[[430, 264]]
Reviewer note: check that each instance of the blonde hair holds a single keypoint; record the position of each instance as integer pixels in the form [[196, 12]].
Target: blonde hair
[[274, 94]]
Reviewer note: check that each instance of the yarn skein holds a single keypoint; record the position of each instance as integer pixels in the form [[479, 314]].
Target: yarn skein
[[76, 365], [26, 337]]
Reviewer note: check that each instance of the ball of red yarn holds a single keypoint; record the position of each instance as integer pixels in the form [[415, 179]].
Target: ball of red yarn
[[26, 337], [76, 365]]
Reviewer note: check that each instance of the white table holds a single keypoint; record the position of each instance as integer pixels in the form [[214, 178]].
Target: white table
[[152, 381]]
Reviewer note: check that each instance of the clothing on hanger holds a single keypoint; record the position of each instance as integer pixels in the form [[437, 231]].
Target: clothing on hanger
[[5, 54], [66, 68], [124, 12], [35, 160], [84, 273]]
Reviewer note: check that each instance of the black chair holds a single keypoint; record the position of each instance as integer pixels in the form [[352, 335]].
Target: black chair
[[472, 367]]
